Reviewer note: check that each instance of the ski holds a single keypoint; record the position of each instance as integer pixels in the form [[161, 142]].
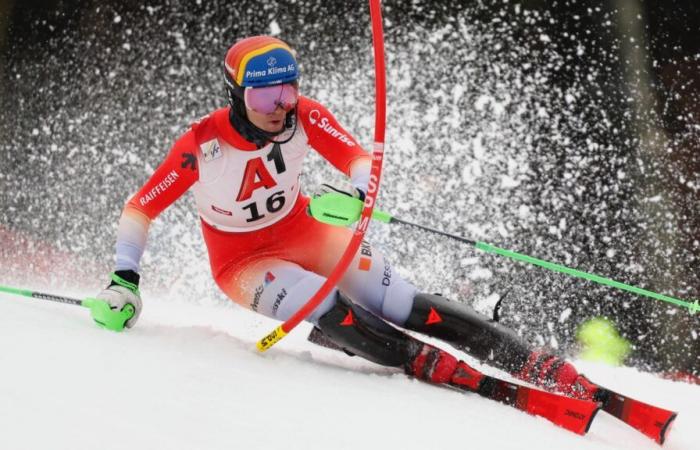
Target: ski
[[649, 420], [572, 414]]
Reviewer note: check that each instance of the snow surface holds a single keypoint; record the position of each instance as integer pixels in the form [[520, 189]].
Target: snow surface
[[188, 377]]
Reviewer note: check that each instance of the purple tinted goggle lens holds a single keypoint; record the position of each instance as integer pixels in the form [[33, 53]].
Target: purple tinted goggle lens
[[266, 100]]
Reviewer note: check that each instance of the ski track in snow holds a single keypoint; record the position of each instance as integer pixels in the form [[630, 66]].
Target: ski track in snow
[[189, 377]]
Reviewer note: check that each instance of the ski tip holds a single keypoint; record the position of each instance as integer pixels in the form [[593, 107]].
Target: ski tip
[[666, 428], [652, 421]]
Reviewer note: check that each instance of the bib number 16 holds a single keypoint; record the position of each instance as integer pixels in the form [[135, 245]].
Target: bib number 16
[[274, 203]]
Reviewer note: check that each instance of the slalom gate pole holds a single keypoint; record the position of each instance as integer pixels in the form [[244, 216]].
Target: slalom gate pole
[[100, 309], [373, 188], [342, 210]]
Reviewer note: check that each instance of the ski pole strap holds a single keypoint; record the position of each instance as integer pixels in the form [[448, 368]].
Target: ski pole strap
[[692, 307], [133, 287]]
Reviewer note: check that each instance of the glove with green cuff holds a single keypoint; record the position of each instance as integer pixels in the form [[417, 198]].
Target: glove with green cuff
[[122, 291]]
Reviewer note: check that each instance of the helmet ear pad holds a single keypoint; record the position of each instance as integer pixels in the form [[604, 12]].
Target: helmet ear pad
[[234, 92]]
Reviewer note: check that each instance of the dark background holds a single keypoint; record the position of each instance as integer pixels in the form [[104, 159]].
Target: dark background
[[590, 106]]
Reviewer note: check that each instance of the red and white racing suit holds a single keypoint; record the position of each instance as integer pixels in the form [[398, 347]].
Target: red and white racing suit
[[266, 252]]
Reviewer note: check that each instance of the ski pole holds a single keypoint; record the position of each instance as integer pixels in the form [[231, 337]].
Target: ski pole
[[341, 210], [100, 309]]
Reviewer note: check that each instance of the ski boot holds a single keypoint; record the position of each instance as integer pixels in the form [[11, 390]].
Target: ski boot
[[356, 331], [492, 343], [359, 332], [555, 374]]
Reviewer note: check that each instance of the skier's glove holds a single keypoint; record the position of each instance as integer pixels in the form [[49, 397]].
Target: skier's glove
[[348, 190], [123, 290]]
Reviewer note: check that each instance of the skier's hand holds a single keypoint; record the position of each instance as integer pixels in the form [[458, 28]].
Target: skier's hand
[[123, 291], [336, 206], [348, 190]]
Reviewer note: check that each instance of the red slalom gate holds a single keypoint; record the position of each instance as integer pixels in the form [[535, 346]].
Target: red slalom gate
[[373, 188]]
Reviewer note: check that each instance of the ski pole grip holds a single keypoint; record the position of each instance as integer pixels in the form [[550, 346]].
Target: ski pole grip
[[103, 314], [341, 210]]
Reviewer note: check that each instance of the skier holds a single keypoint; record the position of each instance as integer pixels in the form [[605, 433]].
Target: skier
[[243, 164]]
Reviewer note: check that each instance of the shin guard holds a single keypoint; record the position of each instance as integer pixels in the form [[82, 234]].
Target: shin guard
[[467, 330], [361, 333]]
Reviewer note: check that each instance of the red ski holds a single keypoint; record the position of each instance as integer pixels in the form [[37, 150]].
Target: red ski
[[650, 420], [570, 413], [557, 375]]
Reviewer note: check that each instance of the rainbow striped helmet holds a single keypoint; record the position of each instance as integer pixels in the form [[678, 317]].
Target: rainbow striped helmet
[[260, 61]]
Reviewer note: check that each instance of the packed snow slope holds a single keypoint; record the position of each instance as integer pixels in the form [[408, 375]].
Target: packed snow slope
[[189, 377]]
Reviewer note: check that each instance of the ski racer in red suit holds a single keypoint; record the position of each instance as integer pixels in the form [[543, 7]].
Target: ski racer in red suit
[[242, 163]]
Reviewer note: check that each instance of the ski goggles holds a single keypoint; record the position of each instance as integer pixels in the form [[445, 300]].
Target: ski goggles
[[266, 100]]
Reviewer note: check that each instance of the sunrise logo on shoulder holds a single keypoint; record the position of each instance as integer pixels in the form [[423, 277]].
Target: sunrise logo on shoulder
[[314, 115], [315, 118]]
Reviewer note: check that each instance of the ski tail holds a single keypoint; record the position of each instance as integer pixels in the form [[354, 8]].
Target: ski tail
[[650, 420], [572, 414]]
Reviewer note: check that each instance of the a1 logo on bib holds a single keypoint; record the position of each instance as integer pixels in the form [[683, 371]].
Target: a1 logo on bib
[[211, 150]]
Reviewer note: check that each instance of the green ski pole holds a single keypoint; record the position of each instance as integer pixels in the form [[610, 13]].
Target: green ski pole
[[100, 309], [342, 210]]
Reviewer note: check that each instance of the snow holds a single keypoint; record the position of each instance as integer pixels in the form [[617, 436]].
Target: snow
[[188, 376]]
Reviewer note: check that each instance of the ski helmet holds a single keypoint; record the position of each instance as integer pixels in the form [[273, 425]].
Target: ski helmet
[[252, 62], [259, 61]]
